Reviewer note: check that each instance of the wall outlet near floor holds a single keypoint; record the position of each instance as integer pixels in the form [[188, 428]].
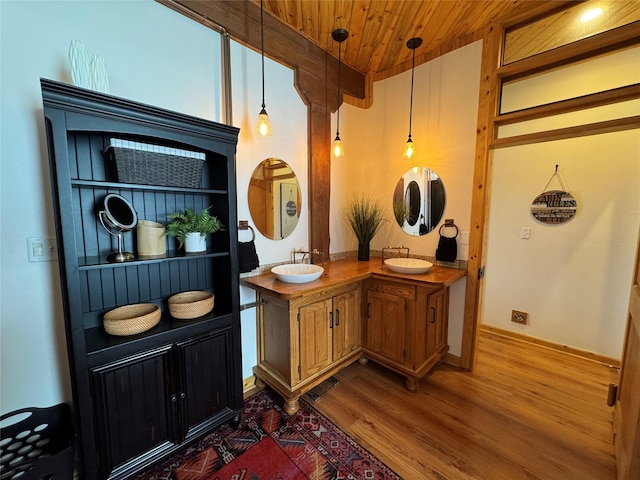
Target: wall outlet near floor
[[519, 317]]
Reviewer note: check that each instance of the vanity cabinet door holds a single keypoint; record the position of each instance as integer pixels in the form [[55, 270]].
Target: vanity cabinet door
[[316, 351], [346, 323], [437, 314], [384, 332]]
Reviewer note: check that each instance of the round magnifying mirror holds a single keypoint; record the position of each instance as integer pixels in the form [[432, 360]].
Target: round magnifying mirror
[[274, 199], [117, 216], [418, 201]]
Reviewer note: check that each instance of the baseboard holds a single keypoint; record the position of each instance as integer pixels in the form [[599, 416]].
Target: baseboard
[[595, 357], [248, 384], [453, 360]]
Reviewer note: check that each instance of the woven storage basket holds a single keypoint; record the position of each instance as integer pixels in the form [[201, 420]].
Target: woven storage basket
[[192, 304], [131, 319], [154, 168]]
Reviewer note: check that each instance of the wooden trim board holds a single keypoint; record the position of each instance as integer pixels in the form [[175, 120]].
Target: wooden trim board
[[594, 357]]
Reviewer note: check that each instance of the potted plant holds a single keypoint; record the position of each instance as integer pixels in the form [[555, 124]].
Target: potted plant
[[191, 228], [364, 215]]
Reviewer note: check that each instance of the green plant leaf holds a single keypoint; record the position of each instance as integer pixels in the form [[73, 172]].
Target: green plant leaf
[[188, 221], [364, 215]]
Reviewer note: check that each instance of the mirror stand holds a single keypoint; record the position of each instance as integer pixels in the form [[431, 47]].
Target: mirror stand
[[120, 255]]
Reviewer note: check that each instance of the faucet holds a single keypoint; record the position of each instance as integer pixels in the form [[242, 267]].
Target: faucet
[[304, 254], [394, 248]]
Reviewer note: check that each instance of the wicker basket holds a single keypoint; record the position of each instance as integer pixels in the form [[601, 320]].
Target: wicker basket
[[154, 168], [131, 319], [187, 305]]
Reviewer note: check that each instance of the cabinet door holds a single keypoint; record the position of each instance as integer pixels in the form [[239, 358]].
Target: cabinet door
[[132, 405], [346, 323], [315, 337], [437, 313], [385, 325], [205, 365]]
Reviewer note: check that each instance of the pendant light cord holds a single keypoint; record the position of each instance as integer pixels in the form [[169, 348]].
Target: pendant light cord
[[338, 105], [262, 48], [413, 64]]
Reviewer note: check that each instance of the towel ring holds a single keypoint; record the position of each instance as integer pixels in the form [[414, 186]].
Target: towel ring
[[244, 225], [452, 225]]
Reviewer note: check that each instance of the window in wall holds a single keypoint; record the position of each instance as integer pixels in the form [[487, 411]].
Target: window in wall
[[597, 74], [581, 21]]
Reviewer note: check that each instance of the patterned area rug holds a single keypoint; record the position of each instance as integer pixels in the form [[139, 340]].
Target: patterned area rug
[[269, 444]]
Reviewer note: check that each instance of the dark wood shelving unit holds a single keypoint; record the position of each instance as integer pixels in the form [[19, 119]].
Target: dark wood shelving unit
[[139, 399]]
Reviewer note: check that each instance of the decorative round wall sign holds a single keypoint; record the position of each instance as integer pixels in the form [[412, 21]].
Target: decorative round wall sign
[[554, 206], [291, 208]]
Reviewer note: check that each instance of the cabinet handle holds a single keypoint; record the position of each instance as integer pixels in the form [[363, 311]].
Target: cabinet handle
[[337, 317], [183, 395], [174, 398], [369, 310], [330, 319], [433, 317]]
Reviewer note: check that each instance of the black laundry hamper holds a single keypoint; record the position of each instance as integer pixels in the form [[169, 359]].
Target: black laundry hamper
[[39, 446]]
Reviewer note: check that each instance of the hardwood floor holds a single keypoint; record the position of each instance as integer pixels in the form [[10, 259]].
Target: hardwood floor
[[525, 412]]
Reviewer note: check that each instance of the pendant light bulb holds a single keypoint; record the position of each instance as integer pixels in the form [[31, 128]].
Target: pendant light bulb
[[337, 150], [264, 125], [409, 147]]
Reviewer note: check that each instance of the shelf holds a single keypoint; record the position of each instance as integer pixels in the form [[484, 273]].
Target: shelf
[[90, 263], [152, 188], [102, 347]]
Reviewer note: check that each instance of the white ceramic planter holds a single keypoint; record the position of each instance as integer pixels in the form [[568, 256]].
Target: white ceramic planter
[[195, 242]]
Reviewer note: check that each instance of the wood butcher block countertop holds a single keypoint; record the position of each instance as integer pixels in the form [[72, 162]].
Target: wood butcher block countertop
[[346, 271]]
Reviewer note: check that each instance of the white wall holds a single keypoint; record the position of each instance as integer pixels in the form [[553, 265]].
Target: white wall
[[288, 116], [445, 103], [154, 56], [572, 278]]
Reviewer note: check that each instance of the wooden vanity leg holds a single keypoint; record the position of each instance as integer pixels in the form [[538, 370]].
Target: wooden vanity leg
[[291, 405], [412, 384], [259, 383]]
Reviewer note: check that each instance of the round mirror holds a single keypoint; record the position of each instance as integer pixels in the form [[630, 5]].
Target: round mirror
[[118, 217], [274, 199], [418, 201]]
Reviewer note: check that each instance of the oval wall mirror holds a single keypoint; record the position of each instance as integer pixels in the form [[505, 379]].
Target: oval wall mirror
[[418, 201], [274, 199]]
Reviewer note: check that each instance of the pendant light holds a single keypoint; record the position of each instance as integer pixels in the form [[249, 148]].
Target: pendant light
[[409, 148], [264, 125], [337, 150]]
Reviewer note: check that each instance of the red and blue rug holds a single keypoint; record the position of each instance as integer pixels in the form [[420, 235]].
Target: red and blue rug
[[269, 444]]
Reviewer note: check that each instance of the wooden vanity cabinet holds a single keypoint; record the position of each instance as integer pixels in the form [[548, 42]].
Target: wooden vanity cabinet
[[405, 326], [305, 340]]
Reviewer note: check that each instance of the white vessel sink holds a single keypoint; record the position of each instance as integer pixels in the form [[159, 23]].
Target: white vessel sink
[[297, 272], [408, 265]]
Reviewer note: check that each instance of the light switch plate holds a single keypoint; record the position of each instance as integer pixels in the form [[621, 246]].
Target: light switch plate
[[42, 249]]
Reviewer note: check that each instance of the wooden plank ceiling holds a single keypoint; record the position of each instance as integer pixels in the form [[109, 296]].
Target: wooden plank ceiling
[[379, 29]]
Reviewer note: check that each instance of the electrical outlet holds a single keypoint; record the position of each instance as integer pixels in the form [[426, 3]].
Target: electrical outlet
[[525, 233], [519, 317]]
